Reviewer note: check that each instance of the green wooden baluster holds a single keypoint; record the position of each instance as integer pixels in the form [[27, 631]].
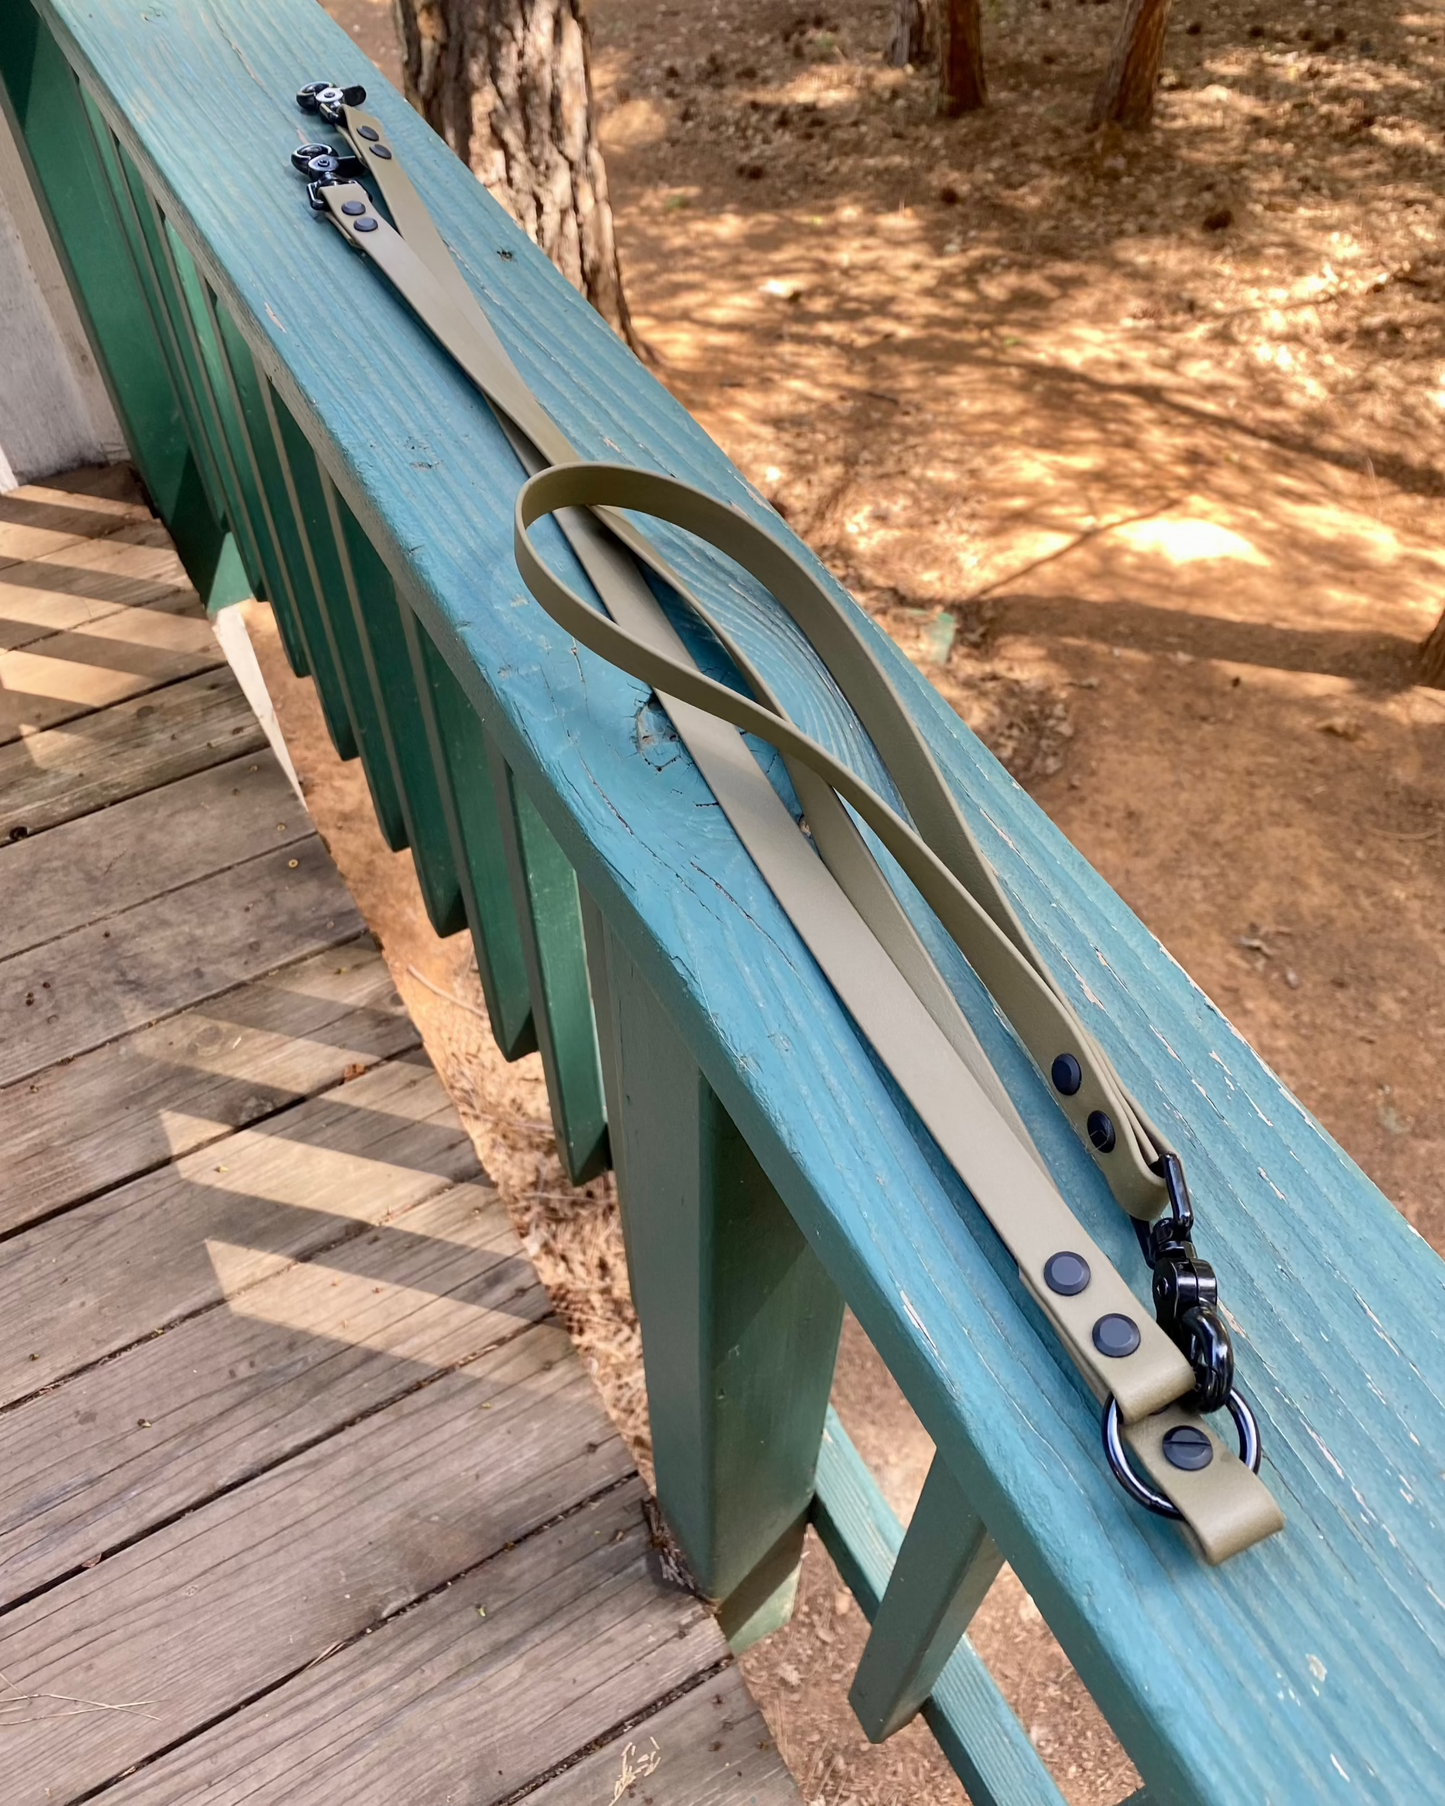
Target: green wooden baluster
[[292, 476], [376, 614], [459, 755], [158, 253], [45, 103], [133, 213], [244, 478], [947, 1563], [167, 258], [740, 1322], [989, 1749], [549, 915]]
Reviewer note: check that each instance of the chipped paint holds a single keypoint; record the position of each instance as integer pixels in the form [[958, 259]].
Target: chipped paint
[[1271, 1184], [1380, 1329], [919, 1325], [1098, 1002], [1319, 1443], [998, 830]]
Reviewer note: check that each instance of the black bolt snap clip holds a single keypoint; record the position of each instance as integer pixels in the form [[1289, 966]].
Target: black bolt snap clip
[[1186, 1307], [1186, 1294]]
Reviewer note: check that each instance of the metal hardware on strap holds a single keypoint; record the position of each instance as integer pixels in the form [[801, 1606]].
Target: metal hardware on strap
[[1186, 1293], [1151, 1378]]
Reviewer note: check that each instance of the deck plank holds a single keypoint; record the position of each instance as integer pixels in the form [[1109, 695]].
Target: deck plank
[[129, 1445], [60, 773], [264, 1580], [711, 1747], [150, 1097], [102, 1276], [124, 654], [93, 869], [40, 518], [447, 1704], [133, 567], [169, 954]]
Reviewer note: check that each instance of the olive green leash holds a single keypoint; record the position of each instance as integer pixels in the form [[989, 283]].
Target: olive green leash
[[1155, 1381]]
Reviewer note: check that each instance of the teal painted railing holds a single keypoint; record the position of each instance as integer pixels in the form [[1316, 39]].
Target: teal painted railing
[[292, 422]]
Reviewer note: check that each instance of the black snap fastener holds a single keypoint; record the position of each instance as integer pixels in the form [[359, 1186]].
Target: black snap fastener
[[380, 150], [1187, 1447], [1067, 1274], [1116, 1336], [1101, 1131], [353, 207], [368, 131], [1067, 1074], [364, 225]]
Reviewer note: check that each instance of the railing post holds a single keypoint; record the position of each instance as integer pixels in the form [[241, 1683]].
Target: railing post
[[947, 1563], [740, 1321]]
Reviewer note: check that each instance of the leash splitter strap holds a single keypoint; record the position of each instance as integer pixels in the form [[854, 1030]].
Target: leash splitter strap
[[1153, 1379]]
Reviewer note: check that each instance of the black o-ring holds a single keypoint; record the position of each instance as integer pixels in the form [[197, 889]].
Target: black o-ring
[[1140, 1491]]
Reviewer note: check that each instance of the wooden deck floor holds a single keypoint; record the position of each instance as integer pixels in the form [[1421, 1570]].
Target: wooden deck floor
[[304, 1498]]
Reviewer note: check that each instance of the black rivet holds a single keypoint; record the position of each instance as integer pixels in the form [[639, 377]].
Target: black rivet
[[1116, 1336], [1067, 1274], [368, 131], [1101, 1131], [380, 150], [1067, 1074], [353, 207], [1187, 1447], [364, 225]]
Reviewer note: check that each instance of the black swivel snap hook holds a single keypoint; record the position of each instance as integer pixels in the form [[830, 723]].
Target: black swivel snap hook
[[322, 165], [328, 98]]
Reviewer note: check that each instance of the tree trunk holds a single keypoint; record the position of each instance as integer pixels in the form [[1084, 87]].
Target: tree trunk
[[961, 84], [507, 84], [1432, 657], [909, 41], [1125, 96]]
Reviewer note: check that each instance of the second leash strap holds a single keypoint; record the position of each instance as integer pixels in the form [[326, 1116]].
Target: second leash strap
[[860, 934]]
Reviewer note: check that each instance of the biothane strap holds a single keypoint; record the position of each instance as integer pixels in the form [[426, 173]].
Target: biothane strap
[[834, 890]]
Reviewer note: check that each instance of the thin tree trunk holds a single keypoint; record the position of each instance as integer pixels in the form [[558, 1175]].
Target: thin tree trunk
[[508, 85], [1125, 96], [909, 41], [962, 87], [1432, 657]]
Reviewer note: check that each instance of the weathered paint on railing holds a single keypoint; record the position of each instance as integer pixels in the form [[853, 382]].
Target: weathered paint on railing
[[281, 403]]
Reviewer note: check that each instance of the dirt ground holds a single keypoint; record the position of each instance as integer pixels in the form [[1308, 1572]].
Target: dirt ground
[[1137, 445]]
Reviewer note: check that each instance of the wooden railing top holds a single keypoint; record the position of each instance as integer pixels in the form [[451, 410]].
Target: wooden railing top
[[1318, 1653]]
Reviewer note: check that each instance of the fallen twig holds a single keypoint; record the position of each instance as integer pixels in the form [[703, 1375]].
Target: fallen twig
[[446, 996]]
